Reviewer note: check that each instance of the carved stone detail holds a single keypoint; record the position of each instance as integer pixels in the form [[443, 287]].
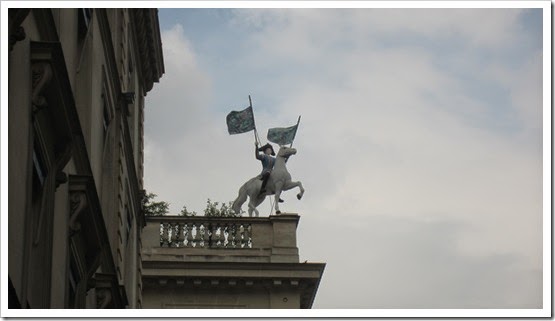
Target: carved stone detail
[[78, 202], [103, 297], [16, 35], [61, 178], [148, 39], [16, 17], [41, 75]]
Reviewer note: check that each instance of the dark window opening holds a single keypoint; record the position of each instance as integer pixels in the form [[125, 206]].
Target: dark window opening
[[39, 176], [13, 300], [39, 168], [129, 224], [105, 119], [73, 281], [83, 21]]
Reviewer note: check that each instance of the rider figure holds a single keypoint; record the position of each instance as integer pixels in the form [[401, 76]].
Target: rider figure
[[268, 162]]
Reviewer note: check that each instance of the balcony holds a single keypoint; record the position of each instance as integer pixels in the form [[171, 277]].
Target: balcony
[[226, 262], [222, 239]]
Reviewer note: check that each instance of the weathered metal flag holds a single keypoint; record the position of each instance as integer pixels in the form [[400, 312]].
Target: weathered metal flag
[[282, 136], [239, 122]]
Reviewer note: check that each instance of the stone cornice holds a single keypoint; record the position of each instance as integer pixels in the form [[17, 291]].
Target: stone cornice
[[148, 49], [241, 219], [305, 276], [183, 267]]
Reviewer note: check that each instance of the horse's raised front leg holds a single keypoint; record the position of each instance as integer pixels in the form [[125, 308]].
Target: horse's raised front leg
[[301, 193], [291, 185]]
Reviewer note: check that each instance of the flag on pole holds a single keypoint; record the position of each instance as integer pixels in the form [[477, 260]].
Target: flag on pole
[[239, 122], [282, 136]]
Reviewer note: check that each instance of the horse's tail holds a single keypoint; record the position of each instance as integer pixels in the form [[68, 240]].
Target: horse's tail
[[241, 198]]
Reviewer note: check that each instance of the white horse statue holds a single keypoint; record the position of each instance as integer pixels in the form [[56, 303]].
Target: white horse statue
[[279, 180]]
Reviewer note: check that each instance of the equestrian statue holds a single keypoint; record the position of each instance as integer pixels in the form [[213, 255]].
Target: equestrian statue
[[274, 177], [272, 181]]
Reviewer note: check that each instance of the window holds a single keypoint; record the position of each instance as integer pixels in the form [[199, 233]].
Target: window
[[128, 225], [84, 20], [39, 170], [106, 117], [39, 176], [74, 278]]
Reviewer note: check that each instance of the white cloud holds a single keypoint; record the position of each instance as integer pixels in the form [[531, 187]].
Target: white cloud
[[178, 105], [390, 262], [398, 135], [417, 145], [496, 27], [176, 121], [178, 52]]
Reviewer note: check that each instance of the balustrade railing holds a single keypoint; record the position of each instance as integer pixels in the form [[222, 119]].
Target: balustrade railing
[[239, 239], [206, 234]]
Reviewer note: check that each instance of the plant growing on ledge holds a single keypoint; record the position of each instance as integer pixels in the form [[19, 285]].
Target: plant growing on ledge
[[185, 212], [152, 208], [224, 210]]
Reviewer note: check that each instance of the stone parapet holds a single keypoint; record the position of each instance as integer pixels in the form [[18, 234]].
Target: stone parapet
[[221, 239]]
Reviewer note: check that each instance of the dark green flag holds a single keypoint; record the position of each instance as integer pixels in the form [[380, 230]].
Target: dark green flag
[[282, 136], [239, 122]]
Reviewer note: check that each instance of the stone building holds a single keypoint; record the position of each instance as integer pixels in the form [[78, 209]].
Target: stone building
[[226, 263], [78, 237], [76, 88]]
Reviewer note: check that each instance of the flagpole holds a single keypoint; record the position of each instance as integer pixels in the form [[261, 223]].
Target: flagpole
[[256, 138], [296, 128]]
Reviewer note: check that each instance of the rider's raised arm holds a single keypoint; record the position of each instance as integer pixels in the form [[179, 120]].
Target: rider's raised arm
[[257, 155]]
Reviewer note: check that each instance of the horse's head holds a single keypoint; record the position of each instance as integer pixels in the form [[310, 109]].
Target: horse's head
[[285, 151]]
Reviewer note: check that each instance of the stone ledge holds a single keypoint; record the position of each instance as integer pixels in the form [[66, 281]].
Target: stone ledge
[[158, 267], [183, 251], [191, 277], [226, 273]]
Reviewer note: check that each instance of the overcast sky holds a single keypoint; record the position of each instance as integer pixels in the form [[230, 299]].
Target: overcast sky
[[420, 144]]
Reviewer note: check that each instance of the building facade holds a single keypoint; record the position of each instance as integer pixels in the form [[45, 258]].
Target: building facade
[[77, 82], [78, 237]]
